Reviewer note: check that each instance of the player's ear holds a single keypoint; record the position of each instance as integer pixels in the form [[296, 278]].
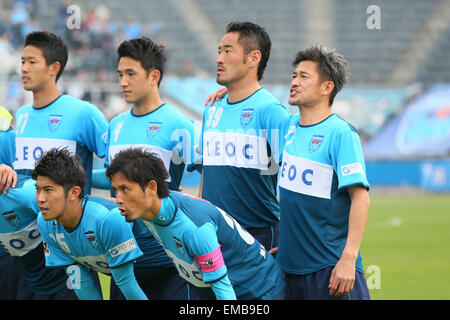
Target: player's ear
[[154, 76], [152, 187], [254, 57], [54, 68], [327, 87], [74, 193]]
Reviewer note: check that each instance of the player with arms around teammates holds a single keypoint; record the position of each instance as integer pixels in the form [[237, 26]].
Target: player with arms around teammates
[[210, 249], [323, 186], [242, 135]]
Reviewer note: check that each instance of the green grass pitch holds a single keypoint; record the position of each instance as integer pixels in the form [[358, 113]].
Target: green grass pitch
[[405, 250], [407, 243]]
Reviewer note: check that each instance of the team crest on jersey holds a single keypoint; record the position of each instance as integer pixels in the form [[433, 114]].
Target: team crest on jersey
[[246, 116], [92, 239], [54, 120], [153, 128], [315, 143], [12, 218], [179, 245]]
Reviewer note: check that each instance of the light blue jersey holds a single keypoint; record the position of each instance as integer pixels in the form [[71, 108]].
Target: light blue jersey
[[7, 147], [165, 131], [103, 241], [319, 162], [20, 237], [206, 244], [241, 148], [66, 122]]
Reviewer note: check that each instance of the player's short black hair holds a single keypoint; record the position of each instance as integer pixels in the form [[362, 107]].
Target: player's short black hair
[[147, 52], [53, 48], [331, 66], [140, 166], [63, 168], [253, 37]]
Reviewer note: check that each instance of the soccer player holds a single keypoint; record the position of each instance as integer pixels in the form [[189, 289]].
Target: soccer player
[[152, 124], [82, 232], [12, 284], [323, 186], [54, 120], [242, 135], [209, 248], [20, 237]]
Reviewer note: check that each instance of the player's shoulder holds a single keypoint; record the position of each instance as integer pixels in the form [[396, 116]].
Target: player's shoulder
[[121, 116], [340, 125], [267, 99], [73, 105], [25, 108]]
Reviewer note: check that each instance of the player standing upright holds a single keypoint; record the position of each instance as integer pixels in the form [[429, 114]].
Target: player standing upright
[[323, 187], [54, 120], [242, 135], [159, 127]]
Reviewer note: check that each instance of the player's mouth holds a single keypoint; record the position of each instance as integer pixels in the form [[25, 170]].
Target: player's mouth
[[293, 92], [126, 93], [219, 70], [25, 79], [44, 210], [123, 211]]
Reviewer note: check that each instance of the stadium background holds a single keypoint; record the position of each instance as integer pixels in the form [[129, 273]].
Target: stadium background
[[398, 99]]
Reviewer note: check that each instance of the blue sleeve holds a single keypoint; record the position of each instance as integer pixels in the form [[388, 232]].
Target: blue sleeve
[[223, 289], [186, 135], [275, 120], [197, 163], [83, 283], [348, 160], [118, 240], [204, 246], [95, 130], [7, 147], [126, 281], [99, 179]]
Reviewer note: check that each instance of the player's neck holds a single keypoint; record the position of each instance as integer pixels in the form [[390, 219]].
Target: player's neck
[[45, 96], [310, 115], [152, 210], [72, 215], [242, 89], [147, 105]]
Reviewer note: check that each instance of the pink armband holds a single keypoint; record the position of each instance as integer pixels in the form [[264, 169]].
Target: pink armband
[[211, 261]]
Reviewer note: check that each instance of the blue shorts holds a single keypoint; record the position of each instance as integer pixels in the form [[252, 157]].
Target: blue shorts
[[314, 286], [159, 284], [268, 237]]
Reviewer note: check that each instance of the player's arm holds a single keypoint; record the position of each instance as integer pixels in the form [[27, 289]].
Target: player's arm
[[121, 250], [349, 166], [83, 283], [343, 275], [208, 254], [8, 178], [126, 281], [94, 133]]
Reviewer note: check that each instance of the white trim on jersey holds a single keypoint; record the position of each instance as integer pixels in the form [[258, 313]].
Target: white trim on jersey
[[30, 150], [305, 176]]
